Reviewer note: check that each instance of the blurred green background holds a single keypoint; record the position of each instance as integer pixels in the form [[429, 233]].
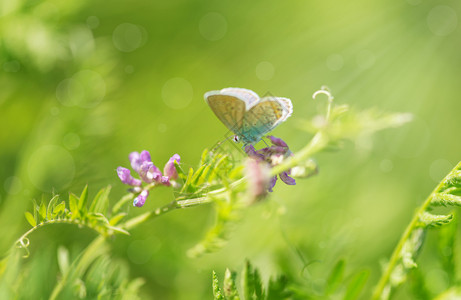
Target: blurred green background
[[82, 84]]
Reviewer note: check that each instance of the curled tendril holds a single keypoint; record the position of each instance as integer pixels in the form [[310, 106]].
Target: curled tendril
[[24, 243], [326, 91]]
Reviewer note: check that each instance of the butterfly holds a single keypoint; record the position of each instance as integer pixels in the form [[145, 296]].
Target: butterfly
[[247, 115]]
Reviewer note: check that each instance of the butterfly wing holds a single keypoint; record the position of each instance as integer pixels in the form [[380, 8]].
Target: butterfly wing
[[229, 109], [263, 117], [248, 96]]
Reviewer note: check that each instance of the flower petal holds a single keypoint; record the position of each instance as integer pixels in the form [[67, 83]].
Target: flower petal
[[141, 199], [137, 159], [149, 172], [287, 179], [144, 156], [170, 169], [272, 182], [251, 152], [277, 141], [126, 178], [165, 181]]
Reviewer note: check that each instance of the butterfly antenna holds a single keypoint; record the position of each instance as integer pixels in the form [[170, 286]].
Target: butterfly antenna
[[218, 144], [265, 143]]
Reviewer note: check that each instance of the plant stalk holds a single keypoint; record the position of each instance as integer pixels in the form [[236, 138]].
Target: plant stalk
[[396, 255]]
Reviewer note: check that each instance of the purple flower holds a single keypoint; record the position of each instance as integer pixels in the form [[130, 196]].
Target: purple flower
[[170, 169], [272, 156], [137, 159], [126, 178], [272, 182], [141, 199], [149, 172], [277, 141], [150, 175], [165, 180], [287, 179]]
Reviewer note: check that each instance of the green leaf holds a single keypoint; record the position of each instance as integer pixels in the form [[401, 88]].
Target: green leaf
[[216, 290], [115, 219], [98, 218], [83, 200], [118, 230], [204, 156], [444, 199], [186, 185], [36, 206], [59, 209], [248, 281], [73, 206], [259, 289], [51, 205], [447, 250], [356, 285], [79, 288], [180, 171], [237, 172], [198, 175], [229, 287], [335, 278], [219, 167], [431, 220], [30, 218], [42, 211], [101, 201], [277, 289], [205, 174]]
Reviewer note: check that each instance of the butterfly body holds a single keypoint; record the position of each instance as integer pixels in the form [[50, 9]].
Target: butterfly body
[[247, 115]]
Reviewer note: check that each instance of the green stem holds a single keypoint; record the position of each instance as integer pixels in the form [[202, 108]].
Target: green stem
[[55, 221], [396, 255], [133, 222]]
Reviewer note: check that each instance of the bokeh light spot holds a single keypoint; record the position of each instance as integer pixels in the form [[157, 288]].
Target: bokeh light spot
[[177, 93], [213, 26], [85, 89], [442, 20], [92, 22], [265, 70], [13, 185], [51, 167], [439, 169], [71, 141], [335, 62], [128, 37]]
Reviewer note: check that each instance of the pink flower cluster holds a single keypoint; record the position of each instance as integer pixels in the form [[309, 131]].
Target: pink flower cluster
[[272, 156], [149, 174]]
